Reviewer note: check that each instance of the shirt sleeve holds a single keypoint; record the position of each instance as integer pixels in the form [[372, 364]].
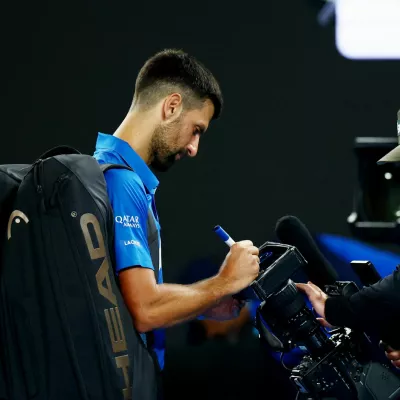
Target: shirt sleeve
[[129, 203], [374, 309]]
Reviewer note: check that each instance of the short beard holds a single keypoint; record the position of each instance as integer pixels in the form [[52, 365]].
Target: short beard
[[163, 150]]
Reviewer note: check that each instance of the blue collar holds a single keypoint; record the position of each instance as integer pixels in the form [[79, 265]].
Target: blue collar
[[132, 159]]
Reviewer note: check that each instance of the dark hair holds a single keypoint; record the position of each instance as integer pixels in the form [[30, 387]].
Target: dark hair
[[169, 69]]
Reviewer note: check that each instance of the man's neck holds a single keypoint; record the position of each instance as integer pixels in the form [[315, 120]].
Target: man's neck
[[136, 129]]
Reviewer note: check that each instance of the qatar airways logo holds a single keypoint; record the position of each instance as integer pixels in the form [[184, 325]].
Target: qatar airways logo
[[128, 221]]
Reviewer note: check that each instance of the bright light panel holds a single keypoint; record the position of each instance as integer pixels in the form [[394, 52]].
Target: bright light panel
[[368, 29]]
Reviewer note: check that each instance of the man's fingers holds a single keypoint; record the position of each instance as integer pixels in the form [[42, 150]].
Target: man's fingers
[[324, 323], [244, 243], [315, 287], [307, 289], [396, 363], [393, 355], [254, 250], [304, 288]]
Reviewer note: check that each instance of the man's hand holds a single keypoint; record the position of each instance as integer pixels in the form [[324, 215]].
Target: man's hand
[[241, 266], [317, 299], [228, 308], [394, 356]]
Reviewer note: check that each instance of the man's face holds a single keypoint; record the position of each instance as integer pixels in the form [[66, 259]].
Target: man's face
[[174, 140]]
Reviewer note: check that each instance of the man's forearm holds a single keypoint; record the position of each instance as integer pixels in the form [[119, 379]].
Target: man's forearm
[[174, 303]]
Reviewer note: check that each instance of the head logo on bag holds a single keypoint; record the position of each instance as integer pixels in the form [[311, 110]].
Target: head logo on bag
[[15, 216], [112, 315]]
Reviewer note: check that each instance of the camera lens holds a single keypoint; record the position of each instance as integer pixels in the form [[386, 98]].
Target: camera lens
[[286, 302], [289, 317]]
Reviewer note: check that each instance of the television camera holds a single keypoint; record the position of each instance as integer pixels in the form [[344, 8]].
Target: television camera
[[338, 364]]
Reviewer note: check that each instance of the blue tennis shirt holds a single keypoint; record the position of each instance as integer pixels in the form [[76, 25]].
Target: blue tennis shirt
[[131, 195]]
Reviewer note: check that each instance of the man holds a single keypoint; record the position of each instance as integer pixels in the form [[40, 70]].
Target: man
[[175, 99]]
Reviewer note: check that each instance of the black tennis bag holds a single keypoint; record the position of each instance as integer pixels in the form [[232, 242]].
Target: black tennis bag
[[65, 332]]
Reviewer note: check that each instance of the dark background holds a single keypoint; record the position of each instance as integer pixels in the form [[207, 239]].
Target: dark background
[[283, 144]]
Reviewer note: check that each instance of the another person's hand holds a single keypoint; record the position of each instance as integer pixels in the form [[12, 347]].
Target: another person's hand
[[241, 266], [394, 356], [317, 299]]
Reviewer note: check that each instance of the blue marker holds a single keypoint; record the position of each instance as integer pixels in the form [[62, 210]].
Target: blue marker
[[224, 236]]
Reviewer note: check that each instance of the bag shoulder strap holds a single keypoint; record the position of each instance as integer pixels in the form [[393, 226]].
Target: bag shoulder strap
[[106, 167], [56, 151]]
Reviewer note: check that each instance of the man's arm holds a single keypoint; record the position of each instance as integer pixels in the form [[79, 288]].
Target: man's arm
[[153, 306]]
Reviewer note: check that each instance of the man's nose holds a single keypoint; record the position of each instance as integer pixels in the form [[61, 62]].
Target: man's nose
[[193, 147]]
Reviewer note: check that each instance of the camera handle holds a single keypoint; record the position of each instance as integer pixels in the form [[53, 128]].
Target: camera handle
[[273, 342]]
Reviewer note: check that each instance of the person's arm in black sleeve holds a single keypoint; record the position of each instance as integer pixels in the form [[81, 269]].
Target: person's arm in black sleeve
[[375, 308]]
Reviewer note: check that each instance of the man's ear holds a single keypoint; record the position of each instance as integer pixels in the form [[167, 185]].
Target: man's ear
[[172, 107]]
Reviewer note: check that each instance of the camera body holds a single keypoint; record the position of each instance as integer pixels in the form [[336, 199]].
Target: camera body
[[339, 364]]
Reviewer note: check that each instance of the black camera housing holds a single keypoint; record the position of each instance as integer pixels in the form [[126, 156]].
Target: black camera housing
[[271, 279], [339, 364]]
